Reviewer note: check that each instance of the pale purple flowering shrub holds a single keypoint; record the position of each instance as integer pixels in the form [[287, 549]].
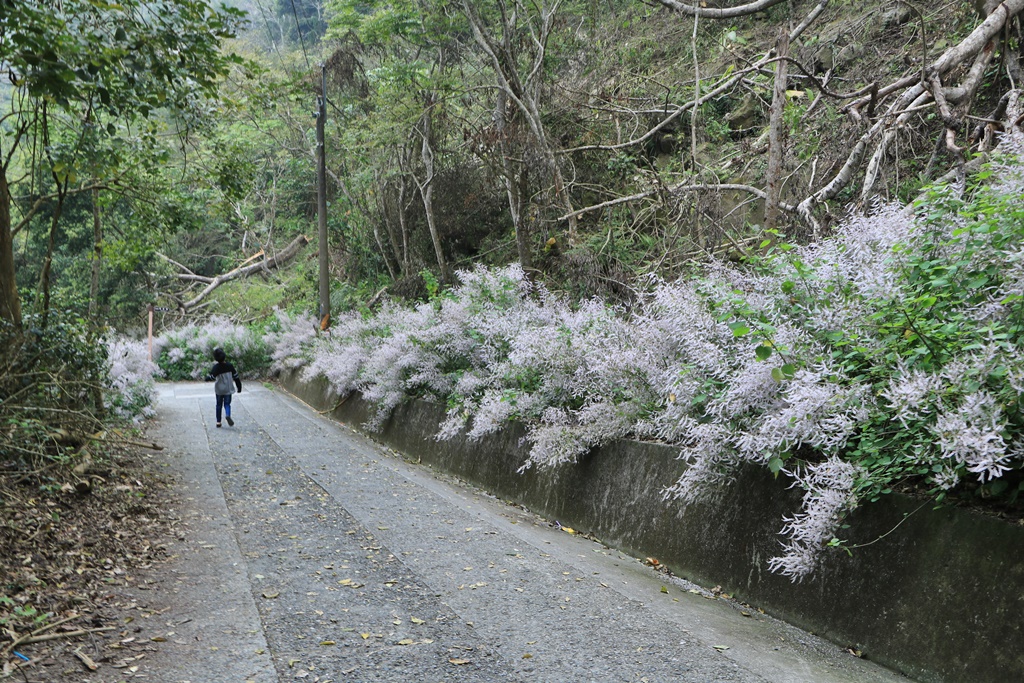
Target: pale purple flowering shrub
[[889, 352], [186, 352], [129, 378], [289, 339], [828, 496]]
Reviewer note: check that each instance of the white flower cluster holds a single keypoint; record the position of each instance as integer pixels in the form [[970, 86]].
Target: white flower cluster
[[828, 495], [191, 346], [288, 342], [972, 434], [130, 376]]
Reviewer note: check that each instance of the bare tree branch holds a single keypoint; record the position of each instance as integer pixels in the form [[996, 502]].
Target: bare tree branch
[[38, 203], [915, 95]]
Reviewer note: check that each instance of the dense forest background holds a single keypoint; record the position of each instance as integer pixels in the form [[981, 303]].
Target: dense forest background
[[592, 141]]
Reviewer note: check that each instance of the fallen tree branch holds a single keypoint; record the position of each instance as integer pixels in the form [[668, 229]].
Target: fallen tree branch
[[720, 13], [129, 442], [723, 85], [37, 637], [276, 261], [86, 660], [677, 189], [954, 56], [1011, 105], [902, 112]]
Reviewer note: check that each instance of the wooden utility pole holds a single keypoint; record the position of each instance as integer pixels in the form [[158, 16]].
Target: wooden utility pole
[[321, 203], [150, 335]]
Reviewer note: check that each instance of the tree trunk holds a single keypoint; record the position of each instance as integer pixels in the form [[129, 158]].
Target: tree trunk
[[517, 190], [427, 194], [404, 158], [386, 203], [97, 256], [383, 252], [776, 134], [403, 228], [10, 305], [44, 276], [515, 183], [526, 95]]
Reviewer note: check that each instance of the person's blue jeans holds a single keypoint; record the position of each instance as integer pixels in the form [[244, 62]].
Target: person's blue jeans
[[225, 403]]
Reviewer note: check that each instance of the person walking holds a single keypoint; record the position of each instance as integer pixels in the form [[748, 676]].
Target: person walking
[[223, 375]]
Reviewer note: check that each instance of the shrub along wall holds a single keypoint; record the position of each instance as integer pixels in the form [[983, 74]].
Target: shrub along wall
[[934, 593]]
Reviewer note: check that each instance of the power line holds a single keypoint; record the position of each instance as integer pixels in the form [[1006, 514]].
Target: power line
[[270, 35], [298, 29]]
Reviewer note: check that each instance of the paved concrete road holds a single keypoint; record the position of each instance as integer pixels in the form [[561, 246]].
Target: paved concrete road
[[307, 552]]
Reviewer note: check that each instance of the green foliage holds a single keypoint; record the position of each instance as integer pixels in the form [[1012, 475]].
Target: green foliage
[[52, 382], [432, 283], [94, 87], [114, 55], [377, 23]]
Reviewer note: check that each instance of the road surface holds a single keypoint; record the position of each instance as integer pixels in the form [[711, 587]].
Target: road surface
[[306, 552]]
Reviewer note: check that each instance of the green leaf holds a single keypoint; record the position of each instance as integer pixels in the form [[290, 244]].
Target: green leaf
[[739, 329], [978, 282], [763, 352]]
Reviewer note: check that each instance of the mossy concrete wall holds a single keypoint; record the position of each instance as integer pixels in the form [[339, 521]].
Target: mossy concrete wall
[[935, 593]]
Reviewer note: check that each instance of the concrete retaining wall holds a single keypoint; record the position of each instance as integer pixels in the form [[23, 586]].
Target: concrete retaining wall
[[940, 598]]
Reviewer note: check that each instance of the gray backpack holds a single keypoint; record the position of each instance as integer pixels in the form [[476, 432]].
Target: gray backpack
[[223, 384]]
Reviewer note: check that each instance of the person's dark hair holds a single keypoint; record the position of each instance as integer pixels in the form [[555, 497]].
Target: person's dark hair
[[218, 355]]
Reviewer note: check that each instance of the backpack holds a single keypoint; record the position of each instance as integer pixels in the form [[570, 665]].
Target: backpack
[[224, 385]]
